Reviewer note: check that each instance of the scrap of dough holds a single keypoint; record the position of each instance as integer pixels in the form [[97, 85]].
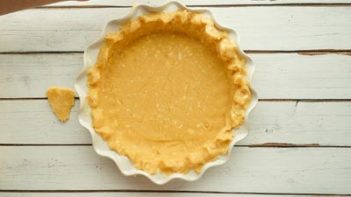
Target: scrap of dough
[[61, 101]]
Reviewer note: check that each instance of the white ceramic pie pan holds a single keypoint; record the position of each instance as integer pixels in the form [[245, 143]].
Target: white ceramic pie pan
[[100, 146]]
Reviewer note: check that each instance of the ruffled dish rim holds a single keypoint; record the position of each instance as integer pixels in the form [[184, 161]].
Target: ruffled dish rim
[[99, 145]]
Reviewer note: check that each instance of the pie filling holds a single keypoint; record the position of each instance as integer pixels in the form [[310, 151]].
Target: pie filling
[[167, 91]]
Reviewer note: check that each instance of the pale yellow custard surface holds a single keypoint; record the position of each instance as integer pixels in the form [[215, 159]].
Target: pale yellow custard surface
[[167, 91], [61, 101]]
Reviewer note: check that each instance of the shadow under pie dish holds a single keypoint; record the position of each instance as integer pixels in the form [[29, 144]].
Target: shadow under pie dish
[[165, 93]]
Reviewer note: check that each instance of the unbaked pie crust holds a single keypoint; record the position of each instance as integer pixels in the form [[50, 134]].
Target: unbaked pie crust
[[167, 90]]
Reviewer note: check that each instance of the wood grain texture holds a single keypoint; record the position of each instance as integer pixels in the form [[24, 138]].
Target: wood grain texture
[[39, 156], [277, 76], [38, 124], [320, 123], [195, 2], [260, 28], [31, 75], [267, 170]]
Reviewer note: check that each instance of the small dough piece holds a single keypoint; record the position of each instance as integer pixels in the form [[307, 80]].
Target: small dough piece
[[61, 101]]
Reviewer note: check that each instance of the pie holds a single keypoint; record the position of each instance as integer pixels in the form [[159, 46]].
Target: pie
[[167, 90]]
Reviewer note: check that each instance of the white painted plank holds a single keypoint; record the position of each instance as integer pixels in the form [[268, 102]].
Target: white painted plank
[[277, 76], [267, 170], [31, 75], [38, 125], [192, 2], [271, 122], [260, 28], [324, 123], [296, 76], [126, 194]]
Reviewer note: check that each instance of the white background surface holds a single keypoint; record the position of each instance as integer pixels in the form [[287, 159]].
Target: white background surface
[[300, 135]]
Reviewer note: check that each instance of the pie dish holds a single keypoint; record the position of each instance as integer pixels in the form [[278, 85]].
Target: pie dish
[[165, 92]]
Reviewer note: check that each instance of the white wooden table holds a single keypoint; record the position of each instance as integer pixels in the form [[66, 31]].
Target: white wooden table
[[300, 135]]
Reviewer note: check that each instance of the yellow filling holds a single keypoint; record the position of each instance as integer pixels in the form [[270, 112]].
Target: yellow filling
[[165, 100]]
